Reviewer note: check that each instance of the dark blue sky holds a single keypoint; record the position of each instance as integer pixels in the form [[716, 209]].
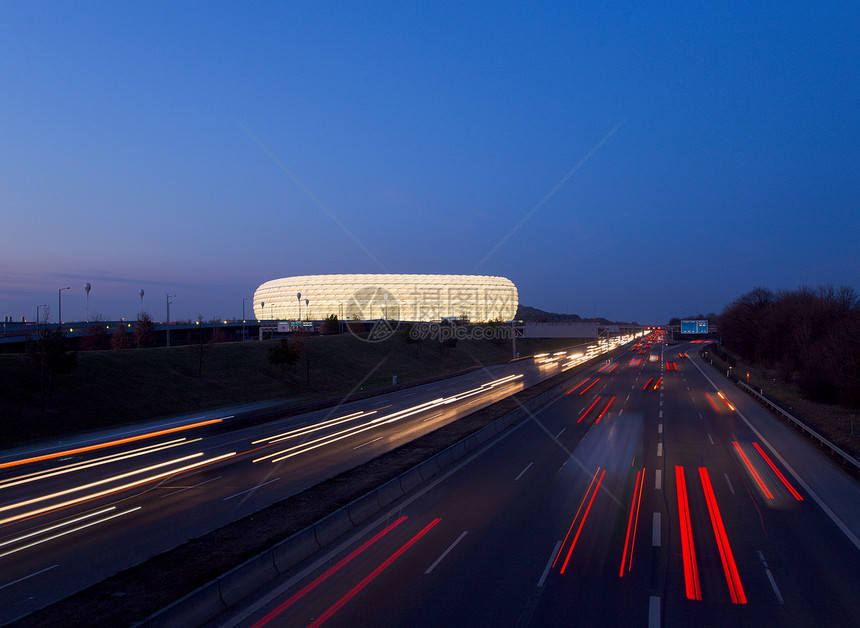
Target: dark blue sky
[[202, 149]]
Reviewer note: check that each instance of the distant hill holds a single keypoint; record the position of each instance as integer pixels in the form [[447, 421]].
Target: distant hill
[[533, 314]]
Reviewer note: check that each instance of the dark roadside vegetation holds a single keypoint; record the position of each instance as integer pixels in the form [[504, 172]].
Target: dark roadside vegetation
[[802, 348], [51, 391], [136, 593]]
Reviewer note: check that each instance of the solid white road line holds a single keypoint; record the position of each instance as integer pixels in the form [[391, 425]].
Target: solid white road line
[[445, 553]]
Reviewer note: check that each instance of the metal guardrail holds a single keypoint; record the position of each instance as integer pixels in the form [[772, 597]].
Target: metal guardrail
[[803, 426]]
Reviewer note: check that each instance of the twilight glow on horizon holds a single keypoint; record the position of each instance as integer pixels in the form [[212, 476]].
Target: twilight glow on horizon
[[612, 159]]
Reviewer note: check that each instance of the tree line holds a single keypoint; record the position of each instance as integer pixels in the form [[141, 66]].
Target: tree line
[[810, 337]]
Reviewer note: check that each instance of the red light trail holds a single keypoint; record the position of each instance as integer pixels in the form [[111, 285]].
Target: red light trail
[[691, 571], [367, 579], [733, 578]]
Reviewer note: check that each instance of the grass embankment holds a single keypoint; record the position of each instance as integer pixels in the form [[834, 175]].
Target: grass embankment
[[140, 591], [108, 388], [832, 421]]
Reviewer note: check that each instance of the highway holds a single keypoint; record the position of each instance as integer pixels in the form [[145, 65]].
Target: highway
[[654, 493], [70, 517]]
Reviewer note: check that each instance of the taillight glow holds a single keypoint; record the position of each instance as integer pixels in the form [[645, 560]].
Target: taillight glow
[[604, 410], [589, 386], [712, 402], [589, 409], [632, 522], [324, 576], [733, 578], [367, 579], [688, 551], [582, 522], [578, 385], [779, 475], [752, 471]]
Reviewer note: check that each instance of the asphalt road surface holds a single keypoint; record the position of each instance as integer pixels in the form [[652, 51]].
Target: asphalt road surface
[[71, 516], [649, 495]]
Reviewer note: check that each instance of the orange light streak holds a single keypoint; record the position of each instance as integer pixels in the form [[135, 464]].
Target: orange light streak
[[324, 576], [733, 578], [613, 368], [113, 443], [77, 466], [657, 383], [688, 551], [582, 522], [731, 407], [117, 489], [780, 475], [367, 579], [752, 471]]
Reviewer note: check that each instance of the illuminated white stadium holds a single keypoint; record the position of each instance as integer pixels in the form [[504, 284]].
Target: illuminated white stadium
[[395, 297]]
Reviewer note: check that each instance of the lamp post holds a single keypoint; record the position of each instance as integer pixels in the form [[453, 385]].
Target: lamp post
[[299, 297], [60, 305], [307, 309], [140, 292], [169, 296], [243, 316], [87, 287]]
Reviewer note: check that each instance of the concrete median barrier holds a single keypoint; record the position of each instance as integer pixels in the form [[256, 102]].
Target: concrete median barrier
[[247, 578], [362, 508], [289, 553], [411, 479], [389, 492], [192, 610], [429, 469], [333, 526]]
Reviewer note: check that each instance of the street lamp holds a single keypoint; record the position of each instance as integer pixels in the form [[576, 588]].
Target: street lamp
[[169, 296], [140, 292], [60, 305], [243, 315], [299, 297], [87, 287], [307, 309]]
